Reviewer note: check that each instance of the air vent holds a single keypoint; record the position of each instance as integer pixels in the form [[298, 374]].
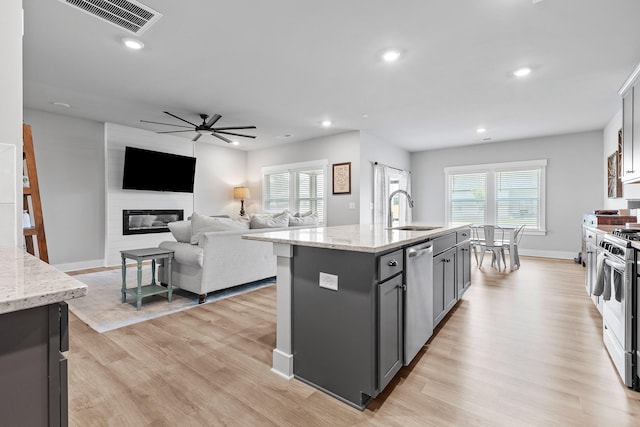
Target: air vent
[[129, 15]]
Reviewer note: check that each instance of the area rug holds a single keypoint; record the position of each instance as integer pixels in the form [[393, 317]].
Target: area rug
[[102, 308]]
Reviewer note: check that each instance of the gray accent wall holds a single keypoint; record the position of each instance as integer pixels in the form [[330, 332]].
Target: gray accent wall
[[339, 148], [574, 179], [69, 156]]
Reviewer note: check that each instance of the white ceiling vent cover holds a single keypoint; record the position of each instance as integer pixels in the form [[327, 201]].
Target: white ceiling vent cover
[[129, 15]]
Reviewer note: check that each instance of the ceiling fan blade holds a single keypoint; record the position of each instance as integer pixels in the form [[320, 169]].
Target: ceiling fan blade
[[176, 131], [180, 118], [222, 138], [234, 128], [234, 134], [168, 124], [213, 120], [196, 137]]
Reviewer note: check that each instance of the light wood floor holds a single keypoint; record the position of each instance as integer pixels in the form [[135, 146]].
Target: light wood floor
[[521, 348]]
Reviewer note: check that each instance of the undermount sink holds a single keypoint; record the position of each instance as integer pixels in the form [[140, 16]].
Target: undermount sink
[[415, 227]]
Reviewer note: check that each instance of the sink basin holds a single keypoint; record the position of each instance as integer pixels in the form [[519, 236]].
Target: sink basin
[[415, 227]]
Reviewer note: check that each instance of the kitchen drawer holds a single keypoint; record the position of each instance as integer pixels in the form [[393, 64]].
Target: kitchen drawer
[[590, 236], [462, 235], [441, 244], [390, 264]]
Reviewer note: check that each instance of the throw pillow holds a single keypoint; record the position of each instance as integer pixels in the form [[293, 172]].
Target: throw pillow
[[263, 221], [303, 214], [181, 230], [305, 220], [203, 224], [147, 220]]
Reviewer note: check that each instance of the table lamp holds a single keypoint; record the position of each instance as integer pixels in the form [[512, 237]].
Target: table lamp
[[242, 194]]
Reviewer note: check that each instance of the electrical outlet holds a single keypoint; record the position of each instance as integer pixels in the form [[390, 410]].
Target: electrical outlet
[[352, 205], [328, 281]]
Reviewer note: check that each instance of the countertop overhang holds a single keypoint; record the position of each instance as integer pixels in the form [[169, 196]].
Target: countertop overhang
[[371, 238], [27, 282]]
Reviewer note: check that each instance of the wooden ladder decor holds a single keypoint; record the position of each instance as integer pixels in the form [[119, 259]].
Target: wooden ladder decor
[[31, 194]]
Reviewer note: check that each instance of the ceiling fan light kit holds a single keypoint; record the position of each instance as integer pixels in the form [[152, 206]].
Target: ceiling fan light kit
[[206, 127]]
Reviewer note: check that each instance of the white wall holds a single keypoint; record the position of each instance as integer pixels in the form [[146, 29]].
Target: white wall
[[118, 137], [573, 183], [218, 170], [373, 149], [340, 148], [11, 121], [69, 156]]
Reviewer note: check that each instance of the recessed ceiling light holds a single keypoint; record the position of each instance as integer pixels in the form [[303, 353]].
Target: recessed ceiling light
[[326, 123], [481, 130], [133, 43], [61, 104], [235, 143], [522, 72], [391, 55], [364, 116]]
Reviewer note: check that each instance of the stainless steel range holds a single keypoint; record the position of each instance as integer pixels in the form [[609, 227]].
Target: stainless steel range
[[617, 284]]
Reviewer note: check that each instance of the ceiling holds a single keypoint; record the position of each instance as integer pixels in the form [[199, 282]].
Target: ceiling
[[286, 65]]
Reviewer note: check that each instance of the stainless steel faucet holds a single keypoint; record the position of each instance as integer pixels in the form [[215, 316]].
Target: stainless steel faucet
[[409, 200]]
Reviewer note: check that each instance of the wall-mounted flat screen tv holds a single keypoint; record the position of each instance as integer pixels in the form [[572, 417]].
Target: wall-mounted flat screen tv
[[156, 171]]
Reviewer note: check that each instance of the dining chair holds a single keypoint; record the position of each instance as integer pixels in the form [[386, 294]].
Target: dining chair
[[493, 242], [517, 236], [476, 241]]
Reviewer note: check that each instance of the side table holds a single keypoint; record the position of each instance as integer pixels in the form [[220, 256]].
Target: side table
[[140, 291]]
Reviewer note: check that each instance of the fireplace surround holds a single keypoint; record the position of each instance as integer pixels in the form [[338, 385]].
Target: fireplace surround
[[144, 221]]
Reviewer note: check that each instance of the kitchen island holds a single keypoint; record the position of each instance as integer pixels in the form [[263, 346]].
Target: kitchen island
[[33, 335], [341, 294]]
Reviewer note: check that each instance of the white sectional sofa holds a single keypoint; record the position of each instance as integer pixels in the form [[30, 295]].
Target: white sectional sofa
[[214, 260]]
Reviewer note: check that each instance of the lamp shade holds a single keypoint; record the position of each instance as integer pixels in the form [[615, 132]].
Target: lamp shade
[[241, 193]]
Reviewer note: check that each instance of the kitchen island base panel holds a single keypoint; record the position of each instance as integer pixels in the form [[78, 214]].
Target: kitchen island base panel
[[334, 334]]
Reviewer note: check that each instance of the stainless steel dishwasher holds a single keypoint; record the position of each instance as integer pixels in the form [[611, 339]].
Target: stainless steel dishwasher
[[418, 298]]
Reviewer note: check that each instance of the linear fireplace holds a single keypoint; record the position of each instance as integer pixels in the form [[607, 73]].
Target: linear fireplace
[[149, 220]]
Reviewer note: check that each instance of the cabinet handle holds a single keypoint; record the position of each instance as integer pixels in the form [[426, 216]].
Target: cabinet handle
[[464, 234], [392, 263], [629, 171]]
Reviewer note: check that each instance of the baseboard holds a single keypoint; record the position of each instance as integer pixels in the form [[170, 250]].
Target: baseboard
[[548, 254], [81, 265]]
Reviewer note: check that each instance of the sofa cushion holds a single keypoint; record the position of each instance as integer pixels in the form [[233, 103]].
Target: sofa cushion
[[185, 253], [267, 221], [311, 219], [303, 214], [204, 224], [181, 230]]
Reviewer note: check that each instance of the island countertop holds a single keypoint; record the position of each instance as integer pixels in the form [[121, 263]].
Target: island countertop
[[357, 238], [27, 282]]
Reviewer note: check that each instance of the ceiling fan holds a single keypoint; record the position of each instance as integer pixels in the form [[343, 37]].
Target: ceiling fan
[[205, 127]]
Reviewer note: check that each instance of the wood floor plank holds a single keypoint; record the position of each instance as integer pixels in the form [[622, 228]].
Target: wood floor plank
[[521, 348]]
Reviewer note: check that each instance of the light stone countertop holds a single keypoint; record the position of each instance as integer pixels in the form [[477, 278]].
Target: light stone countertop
[[27, 282], [357, 238]]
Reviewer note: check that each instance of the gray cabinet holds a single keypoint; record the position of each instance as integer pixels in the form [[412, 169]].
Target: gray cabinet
[[33, 370], [390, 330], [463, 266], [444, 284]]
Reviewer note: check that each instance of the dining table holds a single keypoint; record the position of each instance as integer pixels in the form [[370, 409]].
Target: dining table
[[509, 236]]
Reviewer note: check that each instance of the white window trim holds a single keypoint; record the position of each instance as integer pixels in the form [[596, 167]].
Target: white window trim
[[295, 167], [491, 168]]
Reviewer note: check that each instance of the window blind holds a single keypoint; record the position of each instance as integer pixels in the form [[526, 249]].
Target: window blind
[[518, 198], [468, 198]]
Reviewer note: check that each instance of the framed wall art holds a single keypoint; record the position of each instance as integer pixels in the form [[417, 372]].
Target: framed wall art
[[342, 178]]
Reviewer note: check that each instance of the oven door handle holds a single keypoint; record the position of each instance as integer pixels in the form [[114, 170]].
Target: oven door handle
[[615, 265]]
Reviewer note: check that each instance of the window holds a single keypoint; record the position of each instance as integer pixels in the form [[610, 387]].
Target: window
[[298, 187], [505, 194]]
